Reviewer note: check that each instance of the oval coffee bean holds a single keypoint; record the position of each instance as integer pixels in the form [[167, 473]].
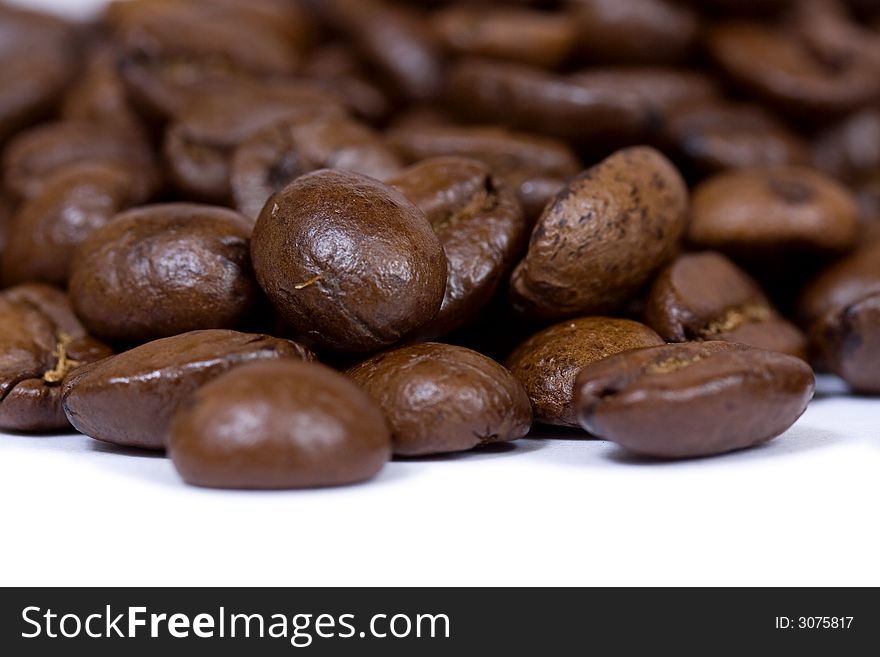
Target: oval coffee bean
[[130, 399], [704, 296], [693, 399], [41, 342], [275, 156], [480, 226], [548, 362], [348, 261], [160, 270], [842, 310], [439, 398], [773, 210], [48, 228], [279, 425], [602, 237]]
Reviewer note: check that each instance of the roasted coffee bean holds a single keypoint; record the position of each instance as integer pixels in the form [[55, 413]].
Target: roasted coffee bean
[[439, 398], [168, 50], [33, 156], [38, 60], [693, 399], [41, 342], [279, 425], [205, 133], [842, 309], [395, 40], [480, 226], [348, 261], [160, 270], [72, 204], [516, 34], [771, 211], [536, 167], [634, 31], [850, 150], [529, 98], [548, 362], [715, 136], [602, 237], [704, 296], [130, 399], [276, 155]]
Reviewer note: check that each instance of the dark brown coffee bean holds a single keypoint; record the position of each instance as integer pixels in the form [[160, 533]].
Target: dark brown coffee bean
[[33, 156], [439, 398], [532, 99], [130, 399], [395, 40], [480, 226], [279, 425], [201, 141], [160, 270], [842, 309], [38, 59], [771, 211], [523, 35], [693, 399], [41, 342], [634, 31], [170, 49], [349, 261], [275, 156], [602, 237], [48, 228], [850, 150], [704, 296], [716, 136], [548, 363]]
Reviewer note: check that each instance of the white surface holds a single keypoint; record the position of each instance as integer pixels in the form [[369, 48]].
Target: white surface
[[801, 511]]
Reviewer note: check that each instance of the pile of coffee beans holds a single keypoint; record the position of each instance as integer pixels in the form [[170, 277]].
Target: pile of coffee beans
[[288, 240]]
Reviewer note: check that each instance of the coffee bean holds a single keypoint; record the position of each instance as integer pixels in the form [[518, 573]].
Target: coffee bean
[[41, 342], [850, 149], [279, 425], [47, 228], [693, 399], [278, 154], [842, 310], [773, 211], [602, 237], [130, 399], [547, 363], [704, 296], [348, 261], [480, 226], [160, 270], [439, 398]]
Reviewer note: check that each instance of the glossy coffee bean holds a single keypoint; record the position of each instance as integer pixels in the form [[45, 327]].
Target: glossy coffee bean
[[548, 362], [480, 226], [276, 155], [41, 342], [705, 296], [48, 228], [693, 399], [842, 310], [524, 35], [130, 399], [773, 210], [602, 237], [349, 261], [850, 149], [160, 270], [279, 425], [35, 155], [200, 142], [439, 398]]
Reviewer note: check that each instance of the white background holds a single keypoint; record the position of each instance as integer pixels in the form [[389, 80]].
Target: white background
[[801, 511]]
